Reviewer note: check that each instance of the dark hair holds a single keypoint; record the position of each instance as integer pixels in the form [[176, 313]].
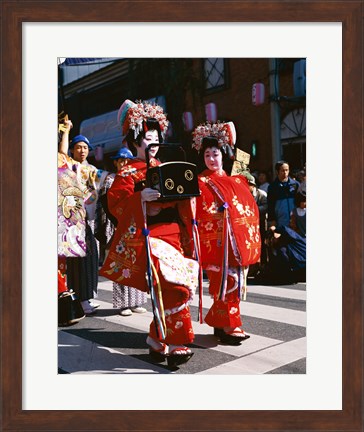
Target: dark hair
[[279, 164], [148, 125], [265, 173], [209, 142], [299, 197]]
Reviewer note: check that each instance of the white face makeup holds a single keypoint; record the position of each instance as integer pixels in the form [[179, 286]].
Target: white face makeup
[[213, 158], [150, 138]]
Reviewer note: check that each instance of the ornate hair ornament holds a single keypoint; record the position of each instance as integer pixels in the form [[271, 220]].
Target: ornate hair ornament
[[131, 116], [224, 133]]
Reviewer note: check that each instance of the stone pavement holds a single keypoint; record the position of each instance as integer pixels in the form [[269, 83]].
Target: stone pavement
[[274, 316]]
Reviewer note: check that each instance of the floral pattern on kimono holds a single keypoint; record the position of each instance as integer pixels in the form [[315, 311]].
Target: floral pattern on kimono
[[174, 266], [76, 188], [243, 219], [129, 242], [94, 179], [168, 239], [123, 255], [71, 211]]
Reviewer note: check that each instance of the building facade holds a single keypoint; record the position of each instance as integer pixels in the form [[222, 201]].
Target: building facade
[[272, 127]]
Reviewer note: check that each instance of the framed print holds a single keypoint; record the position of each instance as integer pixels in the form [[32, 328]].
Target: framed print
[[34, 397]]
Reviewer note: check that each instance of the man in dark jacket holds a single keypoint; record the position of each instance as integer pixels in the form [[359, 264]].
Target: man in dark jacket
[[281, 195]]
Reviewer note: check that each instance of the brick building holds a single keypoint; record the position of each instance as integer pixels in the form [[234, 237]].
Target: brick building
[[271, 130]]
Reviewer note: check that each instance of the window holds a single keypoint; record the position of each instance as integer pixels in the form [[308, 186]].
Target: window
[[214, 70]]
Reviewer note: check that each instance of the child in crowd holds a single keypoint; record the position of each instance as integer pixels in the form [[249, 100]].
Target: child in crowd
[[298, 215]]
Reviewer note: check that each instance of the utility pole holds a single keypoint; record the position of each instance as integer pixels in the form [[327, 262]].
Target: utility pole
[[275, 112]]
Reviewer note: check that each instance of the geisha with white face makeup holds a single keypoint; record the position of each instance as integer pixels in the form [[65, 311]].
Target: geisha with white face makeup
[[146, 252], [213, 159], [228, 223]]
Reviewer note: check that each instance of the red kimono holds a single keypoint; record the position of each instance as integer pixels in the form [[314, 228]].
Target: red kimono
[[228, 224], [159, 245]]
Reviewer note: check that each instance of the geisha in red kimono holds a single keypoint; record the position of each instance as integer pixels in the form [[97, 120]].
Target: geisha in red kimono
[[228, 225], [152, 241]]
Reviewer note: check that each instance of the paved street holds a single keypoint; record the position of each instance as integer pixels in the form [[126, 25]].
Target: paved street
[[274, 316]]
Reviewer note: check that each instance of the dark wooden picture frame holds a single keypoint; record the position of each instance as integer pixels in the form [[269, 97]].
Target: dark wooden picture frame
[[14, 13]]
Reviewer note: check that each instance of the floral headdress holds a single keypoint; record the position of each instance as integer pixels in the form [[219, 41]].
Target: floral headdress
[[224, 133], [131, 116]]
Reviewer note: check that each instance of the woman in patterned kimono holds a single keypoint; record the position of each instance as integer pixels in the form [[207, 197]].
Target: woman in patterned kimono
[[228, 223], [82, 270], [152, 239], [72, 195]]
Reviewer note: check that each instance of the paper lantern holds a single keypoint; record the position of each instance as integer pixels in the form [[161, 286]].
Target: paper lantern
[[258, 93], [232, 132], [99, 153], [187, 121], [211, 112]]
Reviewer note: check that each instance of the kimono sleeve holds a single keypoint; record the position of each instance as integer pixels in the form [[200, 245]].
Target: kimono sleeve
[[96, 177], [184, 208], [121, 195]]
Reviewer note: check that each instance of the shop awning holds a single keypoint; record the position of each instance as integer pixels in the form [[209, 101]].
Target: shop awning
[[103, 131]]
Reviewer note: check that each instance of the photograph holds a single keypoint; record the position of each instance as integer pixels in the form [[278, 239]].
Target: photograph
[[209, 156]]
